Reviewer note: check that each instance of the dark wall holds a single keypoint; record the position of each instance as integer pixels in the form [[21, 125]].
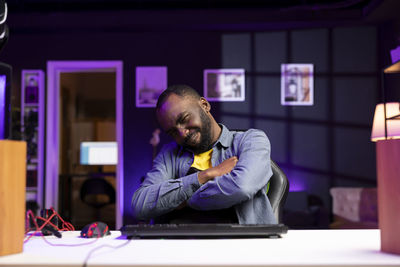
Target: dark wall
[[37, 39], [186, 55], [320, 146]]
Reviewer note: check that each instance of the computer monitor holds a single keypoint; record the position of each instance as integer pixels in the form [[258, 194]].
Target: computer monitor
[[5, 101], [99, 153]]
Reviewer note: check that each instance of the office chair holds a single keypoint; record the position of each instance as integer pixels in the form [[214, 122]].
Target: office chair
[[278, 190], [97, 193]]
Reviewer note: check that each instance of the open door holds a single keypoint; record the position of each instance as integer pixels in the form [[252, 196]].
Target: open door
[[102, 129]]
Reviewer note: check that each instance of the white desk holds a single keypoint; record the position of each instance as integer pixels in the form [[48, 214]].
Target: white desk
[[296, 248]]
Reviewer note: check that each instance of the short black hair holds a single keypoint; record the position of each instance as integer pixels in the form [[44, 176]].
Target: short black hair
[[181, 90]]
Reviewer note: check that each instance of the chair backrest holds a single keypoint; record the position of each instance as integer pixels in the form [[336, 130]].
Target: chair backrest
[[278, 190]]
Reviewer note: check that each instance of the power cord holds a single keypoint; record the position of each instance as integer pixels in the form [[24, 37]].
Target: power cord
[[47, 225], [103, 246]]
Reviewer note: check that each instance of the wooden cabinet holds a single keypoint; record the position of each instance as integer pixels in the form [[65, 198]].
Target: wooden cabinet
[[12, 196]]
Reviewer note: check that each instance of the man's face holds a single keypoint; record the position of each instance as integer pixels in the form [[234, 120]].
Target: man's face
[[186, 121]]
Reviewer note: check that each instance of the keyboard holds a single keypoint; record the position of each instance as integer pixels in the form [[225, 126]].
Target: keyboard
[[204, 230]]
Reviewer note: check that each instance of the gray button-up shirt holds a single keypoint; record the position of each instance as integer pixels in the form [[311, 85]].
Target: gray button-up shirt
[[167, 186]]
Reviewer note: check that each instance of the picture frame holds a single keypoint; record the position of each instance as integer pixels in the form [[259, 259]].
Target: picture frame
[[224, 84], [297, 84], [150, 82]]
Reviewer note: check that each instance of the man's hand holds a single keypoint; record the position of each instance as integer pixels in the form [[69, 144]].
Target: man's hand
[[225, 167]]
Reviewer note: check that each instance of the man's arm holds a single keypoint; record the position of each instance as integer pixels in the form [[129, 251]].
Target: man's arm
[[160, 193], [248, 176], [225, 167]]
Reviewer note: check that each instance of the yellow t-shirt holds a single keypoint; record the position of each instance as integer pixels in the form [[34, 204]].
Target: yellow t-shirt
[[202, 161]]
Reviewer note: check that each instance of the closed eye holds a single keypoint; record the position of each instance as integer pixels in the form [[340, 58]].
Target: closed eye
[[183, 119]]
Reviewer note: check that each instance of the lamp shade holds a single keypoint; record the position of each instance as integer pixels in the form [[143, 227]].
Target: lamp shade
[[392, 124]]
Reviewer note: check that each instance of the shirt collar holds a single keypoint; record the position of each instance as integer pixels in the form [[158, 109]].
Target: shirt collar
[[225, 139]]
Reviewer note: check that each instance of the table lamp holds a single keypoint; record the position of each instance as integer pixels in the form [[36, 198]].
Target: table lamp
[[386, 126], [386, 134]]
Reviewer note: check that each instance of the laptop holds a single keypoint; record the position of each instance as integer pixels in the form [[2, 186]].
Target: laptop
[[204, 230]]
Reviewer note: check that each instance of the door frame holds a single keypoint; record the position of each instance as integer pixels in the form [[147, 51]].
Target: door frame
[[54, 69]]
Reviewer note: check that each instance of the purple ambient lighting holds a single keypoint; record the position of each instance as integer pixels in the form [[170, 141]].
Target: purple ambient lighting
[[297, 185], [297, 182], [2, 105], [150, 82], [395, 54]]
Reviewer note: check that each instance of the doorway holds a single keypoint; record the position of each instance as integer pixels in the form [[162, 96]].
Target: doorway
[[84, 103]]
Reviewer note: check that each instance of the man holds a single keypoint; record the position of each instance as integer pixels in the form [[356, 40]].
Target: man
[[209, 174]]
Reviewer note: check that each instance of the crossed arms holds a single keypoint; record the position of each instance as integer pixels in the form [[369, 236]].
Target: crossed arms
[[239, 173]]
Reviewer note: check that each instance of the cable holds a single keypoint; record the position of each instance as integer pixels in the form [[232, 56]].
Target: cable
[[46, 224], [69, 245], [103, 246], [66, 226]]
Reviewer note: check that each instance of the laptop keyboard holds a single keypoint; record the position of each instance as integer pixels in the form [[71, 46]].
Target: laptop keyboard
[[203, 230]]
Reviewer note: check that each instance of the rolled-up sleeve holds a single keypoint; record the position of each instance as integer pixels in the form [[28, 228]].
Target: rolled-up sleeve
[[250, 175], [161, 191]]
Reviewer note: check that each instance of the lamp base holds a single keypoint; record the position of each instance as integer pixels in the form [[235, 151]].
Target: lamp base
[[388, 170]]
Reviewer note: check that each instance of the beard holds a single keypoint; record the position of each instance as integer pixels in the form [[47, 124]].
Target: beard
[[205, 142]]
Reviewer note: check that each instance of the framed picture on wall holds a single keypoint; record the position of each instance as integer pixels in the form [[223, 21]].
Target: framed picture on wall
[[297, 84], [150, 82], [224, 84]]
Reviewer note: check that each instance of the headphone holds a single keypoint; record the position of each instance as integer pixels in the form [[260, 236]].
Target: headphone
[[4, 32]]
